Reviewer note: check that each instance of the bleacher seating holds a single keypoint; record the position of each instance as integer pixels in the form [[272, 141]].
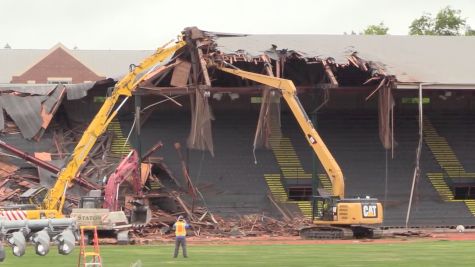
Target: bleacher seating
[[354, 141], [232, 184]]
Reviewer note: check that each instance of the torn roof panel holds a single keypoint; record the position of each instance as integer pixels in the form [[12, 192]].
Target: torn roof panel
[[33, 109], [78, 91], [53, 98], [25, 112], [32, 89], [434, 59]]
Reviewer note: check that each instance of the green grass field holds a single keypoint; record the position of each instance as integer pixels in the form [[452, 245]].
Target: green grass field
[[420, 253]]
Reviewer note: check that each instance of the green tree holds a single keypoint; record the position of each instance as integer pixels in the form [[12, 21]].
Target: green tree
[[448, 21], [422, 26], [379, 29], [469, 31]]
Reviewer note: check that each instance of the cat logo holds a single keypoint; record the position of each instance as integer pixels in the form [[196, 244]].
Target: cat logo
[[369, 210]]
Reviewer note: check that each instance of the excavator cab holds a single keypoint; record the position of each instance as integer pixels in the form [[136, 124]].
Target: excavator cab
[[347, 211], [324, 208], [93, 200]]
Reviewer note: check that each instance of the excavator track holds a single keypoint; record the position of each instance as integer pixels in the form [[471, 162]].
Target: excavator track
[[326, 232], [367, 232], [338, 232], [377, 233]]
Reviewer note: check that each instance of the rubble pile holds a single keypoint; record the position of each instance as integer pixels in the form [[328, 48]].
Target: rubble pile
[[15, 180], [204, 223], [250, 225]]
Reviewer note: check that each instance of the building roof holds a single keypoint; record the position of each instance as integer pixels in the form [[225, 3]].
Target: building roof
[[412, 59], [445, 60], [108, 63]]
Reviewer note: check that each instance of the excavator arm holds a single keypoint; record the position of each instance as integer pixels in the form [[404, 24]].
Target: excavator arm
[[54, 199], [289, 93]]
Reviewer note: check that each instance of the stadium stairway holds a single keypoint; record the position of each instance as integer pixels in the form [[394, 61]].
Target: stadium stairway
[[286, 156], [440, 184], [291, 168], [276, 187], [119, 145], [448, 161], [442, 151], [354, 142]]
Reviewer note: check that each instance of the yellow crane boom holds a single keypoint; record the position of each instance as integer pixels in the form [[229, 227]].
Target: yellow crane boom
[[54, 199]]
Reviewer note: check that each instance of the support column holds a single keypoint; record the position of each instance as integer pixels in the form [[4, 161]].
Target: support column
[[138, 143]]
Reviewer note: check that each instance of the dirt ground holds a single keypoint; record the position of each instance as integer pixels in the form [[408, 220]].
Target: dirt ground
[[394, 237]]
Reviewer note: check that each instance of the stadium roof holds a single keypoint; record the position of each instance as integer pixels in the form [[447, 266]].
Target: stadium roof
[[446, 61]]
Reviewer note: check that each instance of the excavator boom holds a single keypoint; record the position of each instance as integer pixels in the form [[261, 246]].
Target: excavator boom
[[289, 93]]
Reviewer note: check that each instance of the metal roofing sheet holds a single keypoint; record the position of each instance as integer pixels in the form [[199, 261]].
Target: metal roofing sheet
[[77, 91], [34, 89], [25, 112], [52, 99], [436, 59]]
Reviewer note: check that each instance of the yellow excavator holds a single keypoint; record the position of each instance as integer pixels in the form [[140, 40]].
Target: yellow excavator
[[53, 201], [335, 216]]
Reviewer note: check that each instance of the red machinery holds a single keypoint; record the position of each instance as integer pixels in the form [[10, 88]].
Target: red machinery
[[128, 167]]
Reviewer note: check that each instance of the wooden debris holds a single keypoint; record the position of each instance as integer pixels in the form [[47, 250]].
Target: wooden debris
[[7, 169], [8, 195], [329, 73], [286, 217], [183, 205], [411, 234], [181, 73]]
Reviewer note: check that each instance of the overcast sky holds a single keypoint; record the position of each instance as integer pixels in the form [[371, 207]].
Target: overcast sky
[[147, 24]]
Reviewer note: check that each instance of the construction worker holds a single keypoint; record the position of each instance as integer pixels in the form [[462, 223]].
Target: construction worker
[[180, 227]]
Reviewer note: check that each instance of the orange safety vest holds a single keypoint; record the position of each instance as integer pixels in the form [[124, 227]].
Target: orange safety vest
[[180, 228]]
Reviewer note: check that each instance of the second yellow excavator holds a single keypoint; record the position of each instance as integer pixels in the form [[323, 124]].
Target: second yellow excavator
[[335, 216]]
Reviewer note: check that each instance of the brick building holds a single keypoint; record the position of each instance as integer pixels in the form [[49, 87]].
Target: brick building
[[62, 65], [58, 66]]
